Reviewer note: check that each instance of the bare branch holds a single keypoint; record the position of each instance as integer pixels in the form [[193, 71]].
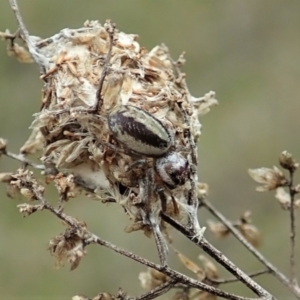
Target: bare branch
[[293, 279], [231, 280], [219, 257], [21, 158], [273, 270], [164, 288]]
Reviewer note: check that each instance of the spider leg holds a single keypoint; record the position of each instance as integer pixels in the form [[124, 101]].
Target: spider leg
[[151, 214], [99, 99], [138, 163]]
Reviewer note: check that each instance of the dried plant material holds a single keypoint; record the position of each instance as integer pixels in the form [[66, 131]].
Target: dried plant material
[[101, 296], [203, 104], [251, 234], [218, 229], [3, 144], [104, 296], [297, 189], [77, 297], [270, 178], [66, 186], [68, 246], [28, 209], [244, 225], [34, 143], [284, 199], [20, 53], [202, 190], [181, 295], [152, 279], [6, 177], [248, 230], [287, 162], [202, 295], [24, 182], [190, 265], [210, 269]]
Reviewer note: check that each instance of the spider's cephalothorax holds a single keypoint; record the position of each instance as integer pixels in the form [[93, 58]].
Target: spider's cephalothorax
[[144, 134]]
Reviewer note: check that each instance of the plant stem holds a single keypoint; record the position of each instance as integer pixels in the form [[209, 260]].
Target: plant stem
[[273, 270]]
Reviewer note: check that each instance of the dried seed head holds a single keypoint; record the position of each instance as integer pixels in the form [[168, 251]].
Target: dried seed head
[[270, 178], [287, 162], [218, 229]]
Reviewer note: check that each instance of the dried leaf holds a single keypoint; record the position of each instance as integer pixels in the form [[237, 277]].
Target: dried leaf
[[21, 53], [152, 279], [251, 234], [191, 265], [67, 247], [210, 268], [270, 178]]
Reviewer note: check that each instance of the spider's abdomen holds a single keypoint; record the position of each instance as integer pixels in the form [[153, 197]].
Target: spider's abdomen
[[139, 131]]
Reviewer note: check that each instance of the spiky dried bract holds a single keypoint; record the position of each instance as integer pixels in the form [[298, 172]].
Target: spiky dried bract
[[66, 187], [28, 209], [68, 246], [152, 279], [270, 178], [24, 182], [287, 161]]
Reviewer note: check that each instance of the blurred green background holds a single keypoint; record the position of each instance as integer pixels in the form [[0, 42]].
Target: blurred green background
[[246, 51]]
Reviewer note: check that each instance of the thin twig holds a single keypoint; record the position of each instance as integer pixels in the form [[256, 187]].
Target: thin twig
[[293, 280], [219, 257], [231, 280], [15, 8], [24, 160], [273, 270], [34, 51], [164, 288], [99, 99]]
